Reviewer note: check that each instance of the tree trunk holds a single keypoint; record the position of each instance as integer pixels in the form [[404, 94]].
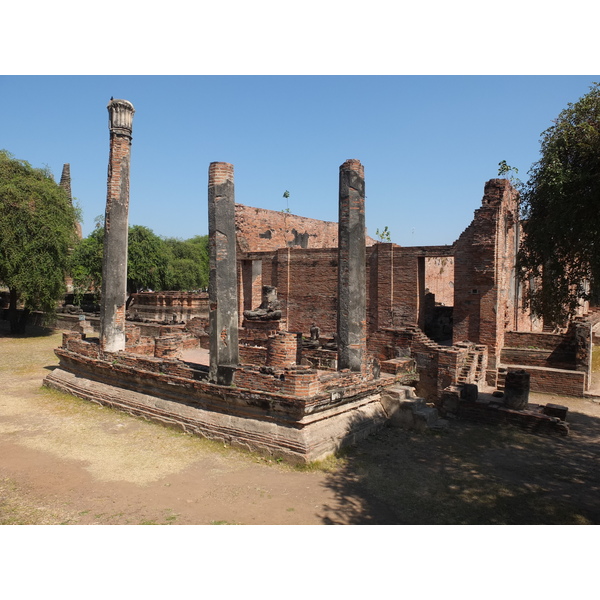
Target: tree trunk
[[13, 314], [17, 319]]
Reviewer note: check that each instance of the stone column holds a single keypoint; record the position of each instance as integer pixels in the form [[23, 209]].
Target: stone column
[[116, 228], [516, 389], [222, 290], [352, 295]]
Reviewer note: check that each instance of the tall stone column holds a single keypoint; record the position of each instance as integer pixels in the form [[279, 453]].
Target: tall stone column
[[116, 228], [352, 293], [222, 290]]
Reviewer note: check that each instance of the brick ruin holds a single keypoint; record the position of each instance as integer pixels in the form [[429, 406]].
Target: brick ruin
[[313, 335]]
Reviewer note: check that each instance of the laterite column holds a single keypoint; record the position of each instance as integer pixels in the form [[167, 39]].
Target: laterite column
[[116, 228], [222, 290], [352, 294]]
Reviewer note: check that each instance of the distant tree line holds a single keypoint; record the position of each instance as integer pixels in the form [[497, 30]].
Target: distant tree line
[[153, 263]]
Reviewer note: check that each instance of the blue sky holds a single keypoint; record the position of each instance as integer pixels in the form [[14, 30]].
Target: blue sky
[[428, 143]]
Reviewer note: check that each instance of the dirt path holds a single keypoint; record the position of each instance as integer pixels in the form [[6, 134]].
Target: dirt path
[[63, 460]]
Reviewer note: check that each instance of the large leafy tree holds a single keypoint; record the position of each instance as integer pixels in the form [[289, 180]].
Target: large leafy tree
[[188, 263], [147, 260], [560, 254], [37, 230]]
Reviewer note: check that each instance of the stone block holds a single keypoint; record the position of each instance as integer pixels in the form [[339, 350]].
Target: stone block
[[556, 410]]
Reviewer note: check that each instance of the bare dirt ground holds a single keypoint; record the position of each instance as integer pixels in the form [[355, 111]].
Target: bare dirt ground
[[67, 461]]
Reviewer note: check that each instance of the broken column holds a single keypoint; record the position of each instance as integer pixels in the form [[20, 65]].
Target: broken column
[[116, 228], [352, 295], [516, 389], [222, 290]]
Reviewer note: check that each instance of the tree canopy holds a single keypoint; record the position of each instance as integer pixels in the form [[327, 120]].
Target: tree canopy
[[147, 261], [37, 229], [152, 262], [560, 253], [188, 263]]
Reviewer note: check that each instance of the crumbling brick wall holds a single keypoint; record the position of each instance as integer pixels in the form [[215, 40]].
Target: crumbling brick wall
[[306, 282], [486, 301], [439, 278], [475, 276], [168, 306], [261, 230]]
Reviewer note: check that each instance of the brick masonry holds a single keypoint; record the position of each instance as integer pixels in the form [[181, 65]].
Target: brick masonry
[[116, 227], [168, 306], [262, 230]]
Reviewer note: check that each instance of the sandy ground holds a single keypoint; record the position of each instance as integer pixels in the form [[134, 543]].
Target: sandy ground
[[67, 461]]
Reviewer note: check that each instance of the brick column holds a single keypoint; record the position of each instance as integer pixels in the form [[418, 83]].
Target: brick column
[[222, 290], [352, 303], [116, 228], [65, 180]]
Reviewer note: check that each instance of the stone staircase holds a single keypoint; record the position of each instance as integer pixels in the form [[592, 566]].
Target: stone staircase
[[502, 371], [472, 370], [404, 409]]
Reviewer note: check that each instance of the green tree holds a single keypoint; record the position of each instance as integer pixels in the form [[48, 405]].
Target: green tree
[[37, 230], [560, 253], [152, 262], [86, 263], [286, 195], [188, 260], [384, 235], [504, 170], [147, 260]]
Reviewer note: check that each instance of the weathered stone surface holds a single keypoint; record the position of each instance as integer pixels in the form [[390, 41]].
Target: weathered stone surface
[[168, 306], [223, 297], [516, 389], [262, 230], [116, 228], [469, 392], [352, 302]]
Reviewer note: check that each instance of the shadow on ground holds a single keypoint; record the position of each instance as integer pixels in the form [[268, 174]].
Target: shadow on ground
[[471, 474], [32, 331]]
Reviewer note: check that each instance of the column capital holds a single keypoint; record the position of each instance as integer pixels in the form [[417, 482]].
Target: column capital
[[120, 116]]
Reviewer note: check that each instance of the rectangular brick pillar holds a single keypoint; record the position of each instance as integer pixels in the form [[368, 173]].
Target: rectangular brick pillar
[[223, 284], [116, 228], [352, 294]]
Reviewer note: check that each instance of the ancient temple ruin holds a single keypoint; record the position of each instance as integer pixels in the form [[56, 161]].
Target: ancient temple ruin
[[313, 335]]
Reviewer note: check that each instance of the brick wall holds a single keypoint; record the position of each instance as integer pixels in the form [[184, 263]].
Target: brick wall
[[306, 282], [484, 284], [261, 230], [283, 350], [557, 381], [162, 306], [439, 278]]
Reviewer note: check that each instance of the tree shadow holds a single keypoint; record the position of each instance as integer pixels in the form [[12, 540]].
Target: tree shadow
[[470, 474], [32, 331]]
